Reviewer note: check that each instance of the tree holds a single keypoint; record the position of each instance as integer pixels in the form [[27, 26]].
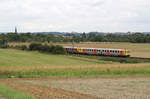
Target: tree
[[3, 43]]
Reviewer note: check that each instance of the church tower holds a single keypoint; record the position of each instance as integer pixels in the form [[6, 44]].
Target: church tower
[[15, 29]]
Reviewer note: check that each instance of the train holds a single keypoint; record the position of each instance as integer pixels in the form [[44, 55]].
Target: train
[[99, 51]]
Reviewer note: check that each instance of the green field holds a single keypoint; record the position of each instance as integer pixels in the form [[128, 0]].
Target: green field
[[11, 57], [16, 63]]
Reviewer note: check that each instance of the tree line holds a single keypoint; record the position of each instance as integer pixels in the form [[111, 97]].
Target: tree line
[[82, 37]]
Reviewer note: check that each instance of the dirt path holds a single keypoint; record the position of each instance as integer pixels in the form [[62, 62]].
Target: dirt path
[[1, 98], [46, 92]]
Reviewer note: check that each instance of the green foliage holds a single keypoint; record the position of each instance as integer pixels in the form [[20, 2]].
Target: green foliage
[[58, 50], [47, 48], [35, 46], [3, 43], [9, 93], [20, 47], [78, 37]]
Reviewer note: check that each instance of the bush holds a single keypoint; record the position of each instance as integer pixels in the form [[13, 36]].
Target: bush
[[23, 47], [35, 46], [58, 50], [47, 48], [3, 43], [20, 47], [3, 46]]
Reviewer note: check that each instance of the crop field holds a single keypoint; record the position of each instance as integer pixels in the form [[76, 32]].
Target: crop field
[[47, 76]]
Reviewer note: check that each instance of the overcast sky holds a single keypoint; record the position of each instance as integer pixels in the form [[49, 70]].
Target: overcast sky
[[75, 15]]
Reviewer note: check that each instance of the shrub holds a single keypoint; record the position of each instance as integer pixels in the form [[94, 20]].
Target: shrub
[[47, 48], [58, 50], [35, 46], [20, 47], [23, 47], [3, 43]]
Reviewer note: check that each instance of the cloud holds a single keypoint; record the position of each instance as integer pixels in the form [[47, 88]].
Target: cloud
[[75, 15]]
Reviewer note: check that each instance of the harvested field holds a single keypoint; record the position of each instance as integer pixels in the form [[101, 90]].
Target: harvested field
[[108, 88], [83, 88], [45, 92]]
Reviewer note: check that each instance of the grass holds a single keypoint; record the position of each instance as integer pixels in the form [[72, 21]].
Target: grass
[[25, 64], [78, 71], [9, 93], [11, 57]]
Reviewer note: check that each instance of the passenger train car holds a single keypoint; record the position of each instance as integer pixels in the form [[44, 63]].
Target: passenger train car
[[99, 51]]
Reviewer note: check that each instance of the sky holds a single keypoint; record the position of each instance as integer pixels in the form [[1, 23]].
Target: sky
[[75, 15]]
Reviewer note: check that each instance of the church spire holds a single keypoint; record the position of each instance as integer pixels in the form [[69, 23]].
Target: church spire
[[15, 29]]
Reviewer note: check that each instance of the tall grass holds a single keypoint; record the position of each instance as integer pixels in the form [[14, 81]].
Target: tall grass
[[91, 70]]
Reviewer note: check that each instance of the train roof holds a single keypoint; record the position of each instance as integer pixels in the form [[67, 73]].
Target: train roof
[[96, 48]]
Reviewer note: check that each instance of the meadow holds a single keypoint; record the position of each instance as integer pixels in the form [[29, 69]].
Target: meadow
[[17, 65], [25, 64]]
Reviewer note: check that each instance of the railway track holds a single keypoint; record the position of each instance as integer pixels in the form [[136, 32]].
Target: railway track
[[139, 58]]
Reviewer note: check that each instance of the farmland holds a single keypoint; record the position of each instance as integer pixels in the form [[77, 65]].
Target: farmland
[[49, 76], [137, 49]]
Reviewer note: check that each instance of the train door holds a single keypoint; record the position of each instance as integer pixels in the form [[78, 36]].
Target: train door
[[83, 51], [76, 51], [67, 50], [121, 53], [107, 53], [94, 52]]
